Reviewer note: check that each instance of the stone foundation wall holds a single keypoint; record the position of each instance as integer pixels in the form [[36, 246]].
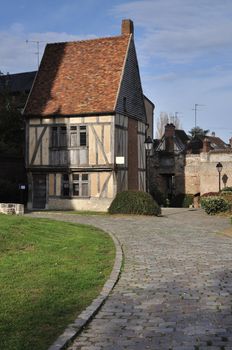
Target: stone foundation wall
[[12, 208]]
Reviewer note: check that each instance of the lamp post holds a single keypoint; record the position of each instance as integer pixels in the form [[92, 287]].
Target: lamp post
[[148, 147], [219, 167]]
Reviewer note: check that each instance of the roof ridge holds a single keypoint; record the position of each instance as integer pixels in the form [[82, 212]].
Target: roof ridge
[[93, 39]]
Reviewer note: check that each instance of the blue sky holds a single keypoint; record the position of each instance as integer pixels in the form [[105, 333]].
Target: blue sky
[[184, 48]]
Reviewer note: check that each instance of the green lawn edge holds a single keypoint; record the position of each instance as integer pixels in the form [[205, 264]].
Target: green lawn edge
[[49, 272]]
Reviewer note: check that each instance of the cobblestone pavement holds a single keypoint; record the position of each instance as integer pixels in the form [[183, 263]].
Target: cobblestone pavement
[[175, 291]]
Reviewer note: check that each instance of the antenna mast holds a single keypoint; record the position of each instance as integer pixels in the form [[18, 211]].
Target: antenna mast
[[37, 53], [195, 109]]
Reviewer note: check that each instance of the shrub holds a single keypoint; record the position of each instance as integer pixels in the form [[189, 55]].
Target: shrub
[[227, 189], [214, 205], [134, 202]]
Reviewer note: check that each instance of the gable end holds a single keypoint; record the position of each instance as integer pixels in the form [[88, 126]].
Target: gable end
[[130, 99]]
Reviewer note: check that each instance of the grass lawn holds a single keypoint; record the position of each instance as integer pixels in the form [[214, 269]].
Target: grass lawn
[[49, 272]]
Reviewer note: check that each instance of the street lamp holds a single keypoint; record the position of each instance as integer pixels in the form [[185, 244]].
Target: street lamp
[[219, 169], [148, 147]]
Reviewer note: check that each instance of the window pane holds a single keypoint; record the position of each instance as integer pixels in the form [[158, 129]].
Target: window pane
[[54, 137], [65, 177], [73, 139], [85, 191], [76, 189], [75, 177], [65, 185], [82, 135], [63, 136], [84, 177], [73, 127]]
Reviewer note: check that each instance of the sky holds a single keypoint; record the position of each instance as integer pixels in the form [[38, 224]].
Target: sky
[[184, 48]]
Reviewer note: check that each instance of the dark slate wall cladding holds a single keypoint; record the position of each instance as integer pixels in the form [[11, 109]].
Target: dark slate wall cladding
[[130, 100]]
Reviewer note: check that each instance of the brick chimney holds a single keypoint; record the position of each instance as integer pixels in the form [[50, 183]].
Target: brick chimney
[[206, 145], [169, 134], [127, 27]]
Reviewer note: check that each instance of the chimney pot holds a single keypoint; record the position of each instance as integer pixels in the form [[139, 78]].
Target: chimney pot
[[127, 27], [169, 137], [206, 145]]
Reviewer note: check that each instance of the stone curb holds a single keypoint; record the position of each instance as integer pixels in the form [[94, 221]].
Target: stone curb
[[73, 329]]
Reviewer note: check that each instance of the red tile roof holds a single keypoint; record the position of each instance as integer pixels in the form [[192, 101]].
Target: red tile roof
[[79, 77]]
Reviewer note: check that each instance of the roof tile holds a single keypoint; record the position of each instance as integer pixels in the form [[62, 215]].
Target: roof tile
[[79, 77]]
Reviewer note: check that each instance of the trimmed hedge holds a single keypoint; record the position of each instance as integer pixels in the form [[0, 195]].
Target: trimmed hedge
[[134, 202], [214, 205]]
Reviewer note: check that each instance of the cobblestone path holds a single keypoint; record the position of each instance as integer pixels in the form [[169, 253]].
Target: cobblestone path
[[175, 291]]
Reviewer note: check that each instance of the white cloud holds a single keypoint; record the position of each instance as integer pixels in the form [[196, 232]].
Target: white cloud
[[17, 56], [185, 47], [181, 30]]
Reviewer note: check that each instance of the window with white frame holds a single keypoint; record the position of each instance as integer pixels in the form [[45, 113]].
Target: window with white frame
[[75, 185], [80, 185], [72, 136]]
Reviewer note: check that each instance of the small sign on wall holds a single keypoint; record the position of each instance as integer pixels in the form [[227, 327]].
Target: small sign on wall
[[120, 160]]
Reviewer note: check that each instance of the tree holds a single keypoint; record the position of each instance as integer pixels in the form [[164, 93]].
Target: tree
[[197, 131], [11, 120], [163, 120]]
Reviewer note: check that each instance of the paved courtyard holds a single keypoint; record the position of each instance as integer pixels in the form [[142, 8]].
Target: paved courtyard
[[175, 291]]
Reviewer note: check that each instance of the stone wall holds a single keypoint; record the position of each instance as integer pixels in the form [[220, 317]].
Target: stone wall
[[12, 208], [209, 177], [201, 174], [192, 173]]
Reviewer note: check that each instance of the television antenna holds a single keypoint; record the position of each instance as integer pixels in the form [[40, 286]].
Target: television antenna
[[196, 109], [37, 53]]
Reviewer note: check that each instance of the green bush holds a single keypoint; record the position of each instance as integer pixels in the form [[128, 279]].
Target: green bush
[[214, 205], [134, 202], [227, 189]]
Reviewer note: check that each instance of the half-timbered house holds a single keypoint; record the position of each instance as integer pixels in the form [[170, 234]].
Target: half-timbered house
[[86, 124]]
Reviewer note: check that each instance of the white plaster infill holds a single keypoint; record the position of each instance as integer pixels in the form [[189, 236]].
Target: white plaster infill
[[73, 329], [12, 208]]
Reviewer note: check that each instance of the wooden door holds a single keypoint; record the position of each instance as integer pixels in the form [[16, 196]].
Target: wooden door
[[39, 191]]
